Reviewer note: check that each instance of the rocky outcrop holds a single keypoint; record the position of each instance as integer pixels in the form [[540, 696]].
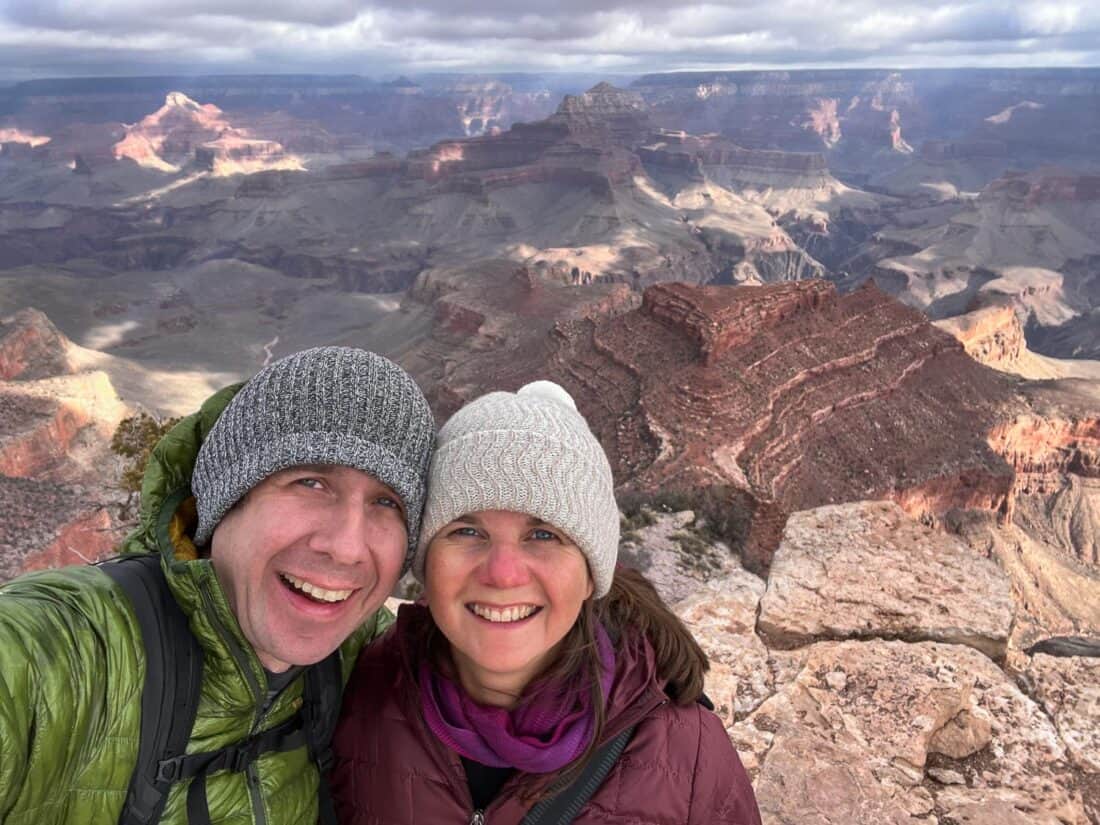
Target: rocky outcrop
[[718, 326], [856, 570], [872, 732], [604, 115], [831, 398], [13, 135], [31, 347], [184, 133], [57, 476], [992, 336], [865, 730], [1068, 689], [721, 616]]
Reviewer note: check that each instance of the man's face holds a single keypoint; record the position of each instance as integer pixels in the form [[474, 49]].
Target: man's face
[[306, 557]]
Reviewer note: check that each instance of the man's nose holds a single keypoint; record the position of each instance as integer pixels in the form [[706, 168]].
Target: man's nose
[[505, 565], [344, 535]]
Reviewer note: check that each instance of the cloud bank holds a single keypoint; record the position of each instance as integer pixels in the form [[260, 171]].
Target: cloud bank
[[42, 38]]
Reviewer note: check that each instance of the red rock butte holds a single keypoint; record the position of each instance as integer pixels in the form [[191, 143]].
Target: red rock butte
[[790, 393]]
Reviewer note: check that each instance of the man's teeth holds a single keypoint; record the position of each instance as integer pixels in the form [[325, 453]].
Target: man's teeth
[[508, 614], [315, 591]]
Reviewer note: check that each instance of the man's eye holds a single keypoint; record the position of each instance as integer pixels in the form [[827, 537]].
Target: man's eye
[[309, 481], [387, 501]]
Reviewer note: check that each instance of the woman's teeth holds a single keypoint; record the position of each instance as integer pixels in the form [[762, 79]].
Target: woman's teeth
[[318, 593], [507, 614]]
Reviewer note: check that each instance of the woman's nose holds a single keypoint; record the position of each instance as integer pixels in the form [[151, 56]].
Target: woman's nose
[[505, 566]]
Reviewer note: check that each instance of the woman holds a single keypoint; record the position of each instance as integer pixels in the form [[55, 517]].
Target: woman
[[530, 652]]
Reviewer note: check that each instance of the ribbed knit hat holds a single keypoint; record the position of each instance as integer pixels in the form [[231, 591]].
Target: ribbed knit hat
[[528, 452], [329, 405]]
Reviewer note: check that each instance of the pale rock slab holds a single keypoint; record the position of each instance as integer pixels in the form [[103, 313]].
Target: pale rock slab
[[1068, 688], [872, 731], [722, 617], [867, 570]]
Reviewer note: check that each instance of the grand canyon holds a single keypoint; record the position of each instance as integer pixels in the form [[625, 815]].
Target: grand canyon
[[838, 330]]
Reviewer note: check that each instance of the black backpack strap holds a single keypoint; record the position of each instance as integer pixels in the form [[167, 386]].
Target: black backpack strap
[[562, 807], [320, 713], [173, 678]]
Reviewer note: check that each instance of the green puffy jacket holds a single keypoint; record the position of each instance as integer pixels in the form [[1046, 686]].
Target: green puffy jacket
[[72, 667]]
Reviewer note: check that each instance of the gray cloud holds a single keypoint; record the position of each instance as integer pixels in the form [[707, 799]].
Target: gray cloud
[[63, 37]]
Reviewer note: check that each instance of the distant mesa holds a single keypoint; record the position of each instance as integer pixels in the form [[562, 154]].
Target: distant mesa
[[1005, 115], [184, 133], [13, 135]]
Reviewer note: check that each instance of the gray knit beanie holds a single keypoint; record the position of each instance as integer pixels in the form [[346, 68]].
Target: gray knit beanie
[[528, 452], [329, 405]]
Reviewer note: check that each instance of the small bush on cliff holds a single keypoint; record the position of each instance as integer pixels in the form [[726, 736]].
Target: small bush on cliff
[[134, 440], [721, 513]]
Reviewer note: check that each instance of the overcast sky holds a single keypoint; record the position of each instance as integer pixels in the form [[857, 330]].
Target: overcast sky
[[50, 38]]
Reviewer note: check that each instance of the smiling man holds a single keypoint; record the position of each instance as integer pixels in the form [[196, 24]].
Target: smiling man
[[283, 513]]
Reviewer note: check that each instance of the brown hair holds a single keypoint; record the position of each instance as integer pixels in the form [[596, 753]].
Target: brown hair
[[632, 605]]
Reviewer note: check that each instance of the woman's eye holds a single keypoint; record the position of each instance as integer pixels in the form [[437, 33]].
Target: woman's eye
[[544, 535], [464, 531]]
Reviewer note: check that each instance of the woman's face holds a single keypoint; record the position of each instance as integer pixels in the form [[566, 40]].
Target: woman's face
[[504, 588]]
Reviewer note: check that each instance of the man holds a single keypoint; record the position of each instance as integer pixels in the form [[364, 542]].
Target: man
[[283, 514]]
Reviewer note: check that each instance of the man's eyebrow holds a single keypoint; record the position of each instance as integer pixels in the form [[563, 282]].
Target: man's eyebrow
[[308, 468]]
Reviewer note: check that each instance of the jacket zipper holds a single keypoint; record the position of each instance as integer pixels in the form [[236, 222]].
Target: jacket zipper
[[255, 794], [252, 778], [478, 818]]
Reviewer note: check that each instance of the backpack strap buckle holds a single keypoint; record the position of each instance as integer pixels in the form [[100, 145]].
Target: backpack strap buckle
[[170, 770]]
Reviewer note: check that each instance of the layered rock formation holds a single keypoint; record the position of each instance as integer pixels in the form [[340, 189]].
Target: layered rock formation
[[184, 133], [790, 393], [56, 473]]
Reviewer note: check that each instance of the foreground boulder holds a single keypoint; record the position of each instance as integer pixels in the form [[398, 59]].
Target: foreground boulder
[[878, 731], [868, 570]]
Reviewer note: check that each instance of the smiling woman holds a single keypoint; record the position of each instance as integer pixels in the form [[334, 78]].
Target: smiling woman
[[531, 659]]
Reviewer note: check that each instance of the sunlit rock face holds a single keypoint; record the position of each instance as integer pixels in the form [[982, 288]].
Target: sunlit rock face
[[56, 472], [14, 135], [31, 347], [184, 132]]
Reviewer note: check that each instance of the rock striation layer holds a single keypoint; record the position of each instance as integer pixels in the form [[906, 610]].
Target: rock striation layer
[[56, 473], [789, 393]]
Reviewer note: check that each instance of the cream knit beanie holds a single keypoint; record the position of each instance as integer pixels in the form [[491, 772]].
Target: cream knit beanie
[[528, 452]]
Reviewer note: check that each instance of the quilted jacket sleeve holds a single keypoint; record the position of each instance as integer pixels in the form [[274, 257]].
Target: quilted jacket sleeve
[[18, 698], [722, 793], [65, 736]]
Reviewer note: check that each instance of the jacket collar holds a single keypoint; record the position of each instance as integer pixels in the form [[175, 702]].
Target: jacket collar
[[168, 519]]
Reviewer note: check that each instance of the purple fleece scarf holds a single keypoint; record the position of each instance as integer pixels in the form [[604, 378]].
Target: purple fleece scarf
[[541, 734]]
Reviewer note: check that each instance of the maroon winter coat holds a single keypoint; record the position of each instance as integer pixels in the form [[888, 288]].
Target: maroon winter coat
[[678, 769]]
